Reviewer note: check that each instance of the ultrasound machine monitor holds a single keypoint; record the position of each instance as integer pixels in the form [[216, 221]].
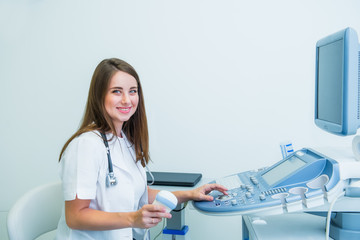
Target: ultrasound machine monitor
[[337, 83]]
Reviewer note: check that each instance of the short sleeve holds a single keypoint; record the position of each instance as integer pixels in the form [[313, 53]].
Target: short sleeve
[[80, 166]]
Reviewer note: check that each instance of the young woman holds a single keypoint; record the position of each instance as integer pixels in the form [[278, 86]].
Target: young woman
[[98, 206]]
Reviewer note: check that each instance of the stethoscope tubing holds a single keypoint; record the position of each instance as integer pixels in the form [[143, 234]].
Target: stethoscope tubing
[[111, 171]]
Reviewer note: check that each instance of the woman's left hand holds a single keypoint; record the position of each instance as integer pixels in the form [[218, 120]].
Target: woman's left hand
[[200, 193]]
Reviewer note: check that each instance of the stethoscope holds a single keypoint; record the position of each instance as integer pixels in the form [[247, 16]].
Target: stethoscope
[[110, 177]]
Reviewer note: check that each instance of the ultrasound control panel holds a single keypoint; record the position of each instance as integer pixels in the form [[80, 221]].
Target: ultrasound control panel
[[304, 179]]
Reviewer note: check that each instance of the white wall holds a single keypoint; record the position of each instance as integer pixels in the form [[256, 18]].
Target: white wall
[[224, 81]]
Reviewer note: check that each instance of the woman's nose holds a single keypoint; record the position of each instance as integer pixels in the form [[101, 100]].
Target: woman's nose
[[125, 98]]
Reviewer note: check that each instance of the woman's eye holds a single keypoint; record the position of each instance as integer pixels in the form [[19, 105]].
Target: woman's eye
[[133, 91], [116, 91]]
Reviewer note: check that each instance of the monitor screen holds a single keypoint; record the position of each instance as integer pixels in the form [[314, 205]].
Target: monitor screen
[[283, 170], [330, 72]]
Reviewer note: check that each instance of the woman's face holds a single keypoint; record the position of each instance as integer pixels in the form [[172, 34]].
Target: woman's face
[[121, 99]]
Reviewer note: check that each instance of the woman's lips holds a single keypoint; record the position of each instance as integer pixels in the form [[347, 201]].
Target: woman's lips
[[124, 109]]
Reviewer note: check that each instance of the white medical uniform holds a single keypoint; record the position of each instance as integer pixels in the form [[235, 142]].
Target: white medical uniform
[[83, 170]]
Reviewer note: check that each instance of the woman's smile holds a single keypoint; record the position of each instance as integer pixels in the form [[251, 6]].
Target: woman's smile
[[124, 109]]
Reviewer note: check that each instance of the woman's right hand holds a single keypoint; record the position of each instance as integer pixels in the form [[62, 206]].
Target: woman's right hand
[[149, 216]]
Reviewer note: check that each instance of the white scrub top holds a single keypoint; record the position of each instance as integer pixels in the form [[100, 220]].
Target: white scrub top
[[83, 170]]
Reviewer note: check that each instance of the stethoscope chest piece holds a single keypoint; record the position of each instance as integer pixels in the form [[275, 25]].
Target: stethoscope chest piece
[[110, 179]]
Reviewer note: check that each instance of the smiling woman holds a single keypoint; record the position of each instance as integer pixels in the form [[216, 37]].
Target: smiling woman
[[106, 196], [107, 74]]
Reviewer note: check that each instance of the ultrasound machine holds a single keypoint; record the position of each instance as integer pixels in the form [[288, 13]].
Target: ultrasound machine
[[307, 179]]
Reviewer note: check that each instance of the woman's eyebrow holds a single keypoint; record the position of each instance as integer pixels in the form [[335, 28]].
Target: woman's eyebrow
[[134, 87]]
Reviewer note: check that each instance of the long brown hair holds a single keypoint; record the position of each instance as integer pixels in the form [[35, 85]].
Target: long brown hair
[[96, 117]]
